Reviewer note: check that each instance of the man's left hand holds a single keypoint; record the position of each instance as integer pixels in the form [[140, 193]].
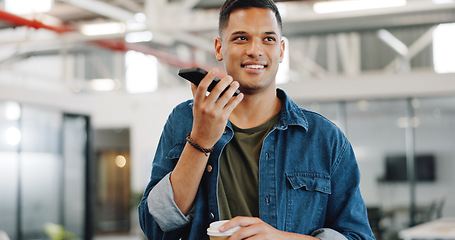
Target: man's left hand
[[255, 228]]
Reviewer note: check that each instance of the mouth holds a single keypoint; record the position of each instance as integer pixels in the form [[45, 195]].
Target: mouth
[[254, 66]]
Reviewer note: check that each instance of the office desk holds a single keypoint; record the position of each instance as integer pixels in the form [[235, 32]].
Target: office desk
[[443, 228]]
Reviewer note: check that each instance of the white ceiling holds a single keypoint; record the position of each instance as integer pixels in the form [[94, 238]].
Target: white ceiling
[[181, 19], [189, 22]]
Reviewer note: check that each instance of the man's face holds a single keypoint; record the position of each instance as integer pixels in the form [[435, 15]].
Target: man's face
[[251, 48]]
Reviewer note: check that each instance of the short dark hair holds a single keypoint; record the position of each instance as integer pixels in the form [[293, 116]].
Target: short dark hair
[[230, 5]]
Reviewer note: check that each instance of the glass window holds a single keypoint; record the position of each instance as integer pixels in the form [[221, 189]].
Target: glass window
[[43, 171], [335, 112], [374, 133], [41, 130], [74, 153], [435, 136], [40, 187], [9, 162]]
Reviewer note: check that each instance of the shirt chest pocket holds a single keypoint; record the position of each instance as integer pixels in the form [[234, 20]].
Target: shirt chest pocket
[[307, 195]]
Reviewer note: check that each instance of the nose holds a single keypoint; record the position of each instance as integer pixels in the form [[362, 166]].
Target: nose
[[255, 48]]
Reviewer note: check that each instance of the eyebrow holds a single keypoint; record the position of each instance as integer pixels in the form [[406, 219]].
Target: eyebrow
[[239, 33], [271, 33], [243, 32]]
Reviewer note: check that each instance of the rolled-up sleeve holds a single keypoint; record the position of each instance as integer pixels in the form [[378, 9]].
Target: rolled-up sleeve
[[162, 206], [328, 234]]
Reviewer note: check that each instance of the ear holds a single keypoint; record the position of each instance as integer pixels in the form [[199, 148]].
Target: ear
[[218, 49], [282, 47]]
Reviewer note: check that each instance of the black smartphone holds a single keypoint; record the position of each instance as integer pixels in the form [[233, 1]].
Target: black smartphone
[[195, 75]]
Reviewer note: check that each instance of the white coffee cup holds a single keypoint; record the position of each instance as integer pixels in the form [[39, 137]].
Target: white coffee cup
[[215, 234]]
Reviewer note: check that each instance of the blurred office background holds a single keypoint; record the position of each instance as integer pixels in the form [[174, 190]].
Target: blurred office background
[[86, 87]]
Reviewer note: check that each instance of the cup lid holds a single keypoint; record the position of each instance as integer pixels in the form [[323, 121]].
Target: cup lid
[[213, 229]]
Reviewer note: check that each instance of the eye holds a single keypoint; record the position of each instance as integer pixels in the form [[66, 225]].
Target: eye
[[270, 39], [240, 38]]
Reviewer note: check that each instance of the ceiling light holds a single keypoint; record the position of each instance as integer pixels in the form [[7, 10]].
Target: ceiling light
[[355, 5], [140, 17], [443, 48], [95, 29], [12, 111], [405, 122], [120, 161], [141, 72], [102, 84], [13, 136], [443, 1], [363, 105], [135, 37], [22, 7]]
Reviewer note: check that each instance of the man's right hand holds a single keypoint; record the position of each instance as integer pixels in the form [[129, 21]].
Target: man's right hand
[[211, 112]]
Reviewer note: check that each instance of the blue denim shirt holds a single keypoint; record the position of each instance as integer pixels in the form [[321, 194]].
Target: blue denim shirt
[[308, 180]]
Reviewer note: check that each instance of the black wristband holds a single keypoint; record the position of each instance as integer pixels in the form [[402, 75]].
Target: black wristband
[[206, 151]]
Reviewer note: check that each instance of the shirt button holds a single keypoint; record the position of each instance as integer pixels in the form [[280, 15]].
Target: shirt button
[[212, 216], [209, 168]]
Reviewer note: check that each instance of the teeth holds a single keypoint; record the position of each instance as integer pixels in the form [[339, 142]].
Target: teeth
[[255, 66]]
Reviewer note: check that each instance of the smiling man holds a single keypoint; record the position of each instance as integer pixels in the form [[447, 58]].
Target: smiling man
[[256, 159]]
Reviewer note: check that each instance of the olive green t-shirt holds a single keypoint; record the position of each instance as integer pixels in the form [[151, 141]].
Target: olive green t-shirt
[[238, 183]]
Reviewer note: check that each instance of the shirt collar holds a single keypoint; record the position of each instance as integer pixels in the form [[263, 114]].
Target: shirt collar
[[291, 113]]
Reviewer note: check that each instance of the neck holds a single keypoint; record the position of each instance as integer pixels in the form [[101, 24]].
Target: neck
[[255, 109]]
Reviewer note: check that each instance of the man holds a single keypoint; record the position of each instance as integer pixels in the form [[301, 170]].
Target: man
[[276, 170]]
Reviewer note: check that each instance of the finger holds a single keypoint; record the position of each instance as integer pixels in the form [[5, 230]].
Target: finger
[[245, 233], [204, 84], [219, 88], [253, 231], [258, 230], [228, 93], [239, 221], [233, 102]]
